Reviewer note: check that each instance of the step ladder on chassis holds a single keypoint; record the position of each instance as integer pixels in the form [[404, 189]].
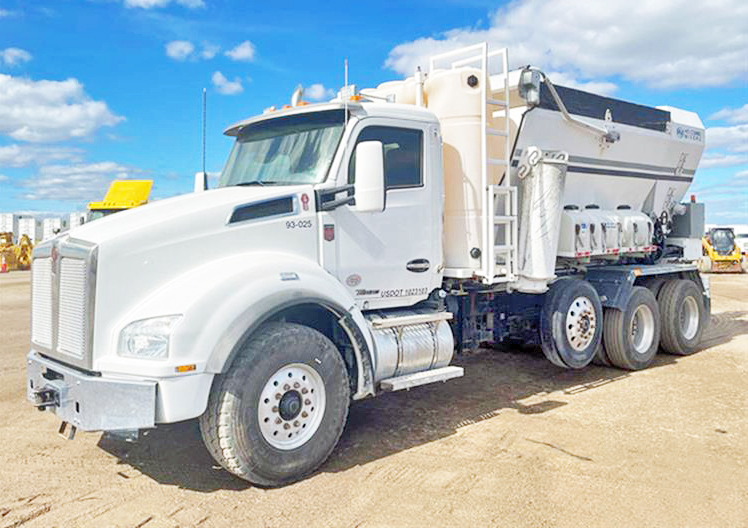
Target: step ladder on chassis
[[499, 201], [499, 206]]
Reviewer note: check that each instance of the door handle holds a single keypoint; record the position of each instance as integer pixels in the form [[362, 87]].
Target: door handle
[[418, 265]]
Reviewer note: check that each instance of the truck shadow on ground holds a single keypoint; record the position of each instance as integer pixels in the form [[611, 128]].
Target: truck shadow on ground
[[495, 381]]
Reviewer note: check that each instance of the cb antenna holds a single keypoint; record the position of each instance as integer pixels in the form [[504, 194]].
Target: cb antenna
[[346, 95], [201, 178], [205, 98]]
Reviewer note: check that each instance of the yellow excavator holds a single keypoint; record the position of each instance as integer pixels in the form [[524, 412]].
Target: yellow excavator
[[720, 252], [122, 195], [15, 256]]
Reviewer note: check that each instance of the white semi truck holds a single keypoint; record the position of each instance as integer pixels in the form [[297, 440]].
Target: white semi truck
[[352, 247]]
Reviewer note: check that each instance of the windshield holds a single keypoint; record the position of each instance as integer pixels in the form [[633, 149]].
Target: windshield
[[722, 239], [100, 213], [285, 150]]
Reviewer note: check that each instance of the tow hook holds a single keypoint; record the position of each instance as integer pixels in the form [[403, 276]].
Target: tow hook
[[67, 431], [45, 398]]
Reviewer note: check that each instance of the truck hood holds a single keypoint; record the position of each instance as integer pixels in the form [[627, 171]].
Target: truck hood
[[189, 213], [143, 250]]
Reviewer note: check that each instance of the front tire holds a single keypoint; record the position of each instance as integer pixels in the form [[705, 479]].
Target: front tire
[[684, 316], [278, 413], [632, 335]]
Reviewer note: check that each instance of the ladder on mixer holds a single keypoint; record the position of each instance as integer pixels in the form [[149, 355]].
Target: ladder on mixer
[[499, 201]]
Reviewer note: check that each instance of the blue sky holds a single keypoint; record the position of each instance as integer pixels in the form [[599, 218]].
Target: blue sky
[[91, 90]]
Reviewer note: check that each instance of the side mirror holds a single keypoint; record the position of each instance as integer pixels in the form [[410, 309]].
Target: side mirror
[[201, 181], [369, 185]]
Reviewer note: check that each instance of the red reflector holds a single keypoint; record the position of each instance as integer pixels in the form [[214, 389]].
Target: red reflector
[[329, 232], [305, 202]]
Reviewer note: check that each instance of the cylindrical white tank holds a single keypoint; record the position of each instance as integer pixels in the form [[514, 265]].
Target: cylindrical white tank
[[540, 194], [456, 97]]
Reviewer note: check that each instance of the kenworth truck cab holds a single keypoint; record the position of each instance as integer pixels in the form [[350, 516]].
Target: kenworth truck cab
[[354, 246]]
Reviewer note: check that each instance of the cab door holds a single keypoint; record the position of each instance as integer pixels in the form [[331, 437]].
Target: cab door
[[393, 257]]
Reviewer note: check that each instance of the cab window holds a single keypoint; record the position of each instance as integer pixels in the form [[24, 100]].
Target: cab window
[[403, 153]]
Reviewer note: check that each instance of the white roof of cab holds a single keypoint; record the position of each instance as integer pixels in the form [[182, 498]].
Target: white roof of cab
[[357, 109]]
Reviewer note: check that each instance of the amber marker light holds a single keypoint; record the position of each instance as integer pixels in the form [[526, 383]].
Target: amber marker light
[[185, 368]]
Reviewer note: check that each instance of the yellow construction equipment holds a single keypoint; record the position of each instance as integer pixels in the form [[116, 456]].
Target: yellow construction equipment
[[122, 194], [721, 253], [15, 256]]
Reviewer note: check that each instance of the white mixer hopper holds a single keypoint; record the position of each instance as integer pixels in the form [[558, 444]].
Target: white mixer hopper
[[628, 165]]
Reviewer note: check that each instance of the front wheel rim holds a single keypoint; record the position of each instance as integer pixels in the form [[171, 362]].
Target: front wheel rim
[[581, 322], [689, 318], [291, 406], [642, 329]]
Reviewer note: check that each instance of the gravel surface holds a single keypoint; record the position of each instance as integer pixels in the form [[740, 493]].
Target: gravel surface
[[515, 442]]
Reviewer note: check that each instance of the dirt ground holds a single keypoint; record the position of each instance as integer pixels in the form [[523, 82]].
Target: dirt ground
[[515, 442]]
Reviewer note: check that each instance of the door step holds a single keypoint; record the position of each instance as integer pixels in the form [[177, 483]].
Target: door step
[[420, 378], [404, 320]]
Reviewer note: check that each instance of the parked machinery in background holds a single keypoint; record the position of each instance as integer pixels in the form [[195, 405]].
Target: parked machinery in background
[[721, 253], [122, 195], [15, 256]]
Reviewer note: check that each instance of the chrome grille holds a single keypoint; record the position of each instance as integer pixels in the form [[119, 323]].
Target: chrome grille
[[73, 313], [41, 299], [63, 286]]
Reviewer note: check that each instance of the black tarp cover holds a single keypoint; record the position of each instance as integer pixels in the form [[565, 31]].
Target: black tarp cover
[[586, 104]]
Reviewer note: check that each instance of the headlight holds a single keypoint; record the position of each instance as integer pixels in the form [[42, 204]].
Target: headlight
[[147, 338]]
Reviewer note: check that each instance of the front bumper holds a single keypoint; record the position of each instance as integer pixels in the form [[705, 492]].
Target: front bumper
[[88, 402]]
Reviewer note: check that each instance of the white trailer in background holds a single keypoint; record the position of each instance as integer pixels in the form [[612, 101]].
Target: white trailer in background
[[76, 219], [52, 226], [354, 246], [29, 226], [9, 223]]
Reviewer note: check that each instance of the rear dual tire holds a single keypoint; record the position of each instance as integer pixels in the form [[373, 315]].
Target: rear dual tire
[[674, 321], [684, 316], [632, 335]]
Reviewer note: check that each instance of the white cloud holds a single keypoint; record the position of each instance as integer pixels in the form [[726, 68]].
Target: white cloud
[[226, 87], [3, 178], [25, 155], [14, 56], [182, 50], [150, 4], [74, 183], [664, 44], [45, 111], [732, 115], [598, 87], [734, 138], [5, 13], [243, 52], [209, 51], [716, 159], [179, 49], [318, 92]]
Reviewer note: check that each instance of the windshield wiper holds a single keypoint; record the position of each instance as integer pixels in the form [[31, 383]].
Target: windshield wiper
[[260, 183]]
